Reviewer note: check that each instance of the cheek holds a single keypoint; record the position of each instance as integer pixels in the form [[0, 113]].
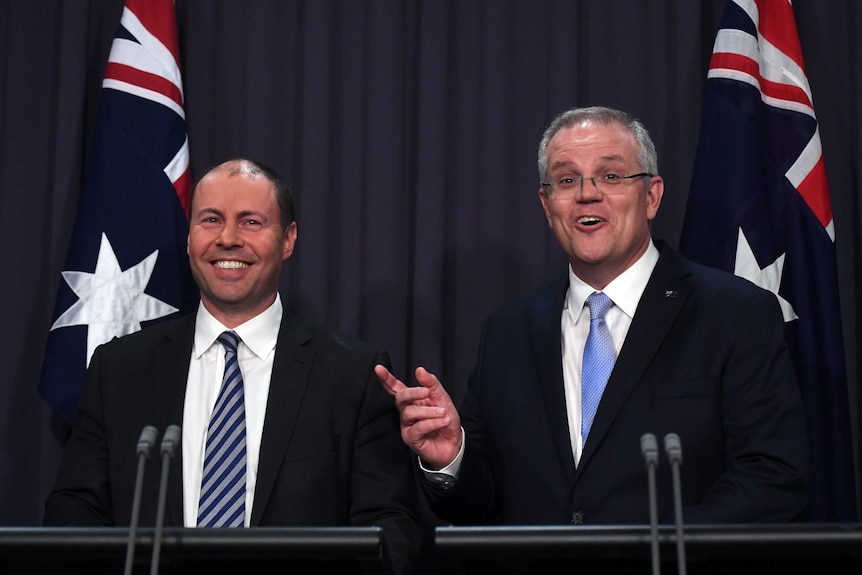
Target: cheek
[[198, 243], [558, 215], [563, 229], [267, 248], [194, 245], [633, 212]]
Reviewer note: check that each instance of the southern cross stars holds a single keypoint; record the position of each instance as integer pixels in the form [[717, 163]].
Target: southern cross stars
[[767, 278], [111, 302]]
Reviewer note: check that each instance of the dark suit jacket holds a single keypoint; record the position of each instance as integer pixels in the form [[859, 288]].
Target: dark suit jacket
[[331, 452], [704, 358]]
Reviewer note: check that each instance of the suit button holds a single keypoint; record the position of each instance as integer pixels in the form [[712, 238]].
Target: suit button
[[578, 518]]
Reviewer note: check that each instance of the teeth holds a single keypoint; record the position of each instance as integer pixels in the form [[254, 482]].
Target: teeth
[[230, 265], [589, 220]]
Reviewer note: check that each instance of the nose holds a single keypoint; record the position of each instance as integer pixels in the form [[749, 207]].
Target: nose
[[229, 236], [590, 190]]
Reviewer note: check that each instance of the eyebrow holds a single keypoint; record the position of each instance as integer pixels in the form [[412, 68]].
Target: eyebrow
[[243, 214], [208, 210], [603, 159]]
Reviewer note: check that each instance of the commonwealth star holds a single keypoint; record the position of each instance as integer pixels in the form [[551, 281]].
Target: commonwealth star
[[768, 278], [111, 302]]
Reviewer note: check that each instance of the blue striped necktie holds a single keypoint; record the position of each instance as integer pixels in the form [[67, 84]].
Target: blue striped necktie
[[222, 502], [599, 358]]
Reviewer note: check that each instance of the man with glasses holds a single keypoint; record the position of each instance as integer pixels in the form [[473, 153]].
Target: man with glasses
[[634, 339]]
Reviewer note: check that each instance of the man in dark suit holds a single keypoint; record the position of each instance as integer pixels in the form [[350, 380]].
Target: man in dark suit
[[320, 437], [692, 350]]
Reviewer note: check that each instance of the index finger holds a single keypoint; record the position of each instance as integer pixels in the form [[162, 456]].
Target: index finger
[[390, 383]]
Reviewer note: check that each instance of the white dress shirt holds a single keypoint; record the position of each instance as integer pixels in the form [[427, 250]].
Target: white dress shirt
[[206, 369], [625, 291]]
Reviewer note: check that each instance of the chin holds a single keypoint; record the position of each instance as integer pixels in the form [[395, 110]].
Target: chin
[[228, 298], [589, 256]]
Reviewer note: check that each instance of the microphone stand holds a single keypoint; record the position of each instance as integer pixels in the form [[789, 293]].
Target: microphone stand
[[145, 444], [169, 443], [673, 448], [649, 448]]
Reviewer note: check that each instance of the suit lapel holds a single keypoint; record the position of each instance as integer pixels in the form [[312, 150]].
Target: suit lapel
[[291, 370], [548, 359], [661, 302], [172, 372]]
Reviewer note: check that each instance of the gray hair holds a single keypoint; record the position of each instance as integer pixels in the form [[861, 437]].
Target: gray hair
[[647, 156]]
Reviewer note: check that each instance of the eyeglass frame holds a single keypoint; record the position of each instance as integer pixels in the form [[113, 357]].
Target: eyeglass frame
[[580, 180]]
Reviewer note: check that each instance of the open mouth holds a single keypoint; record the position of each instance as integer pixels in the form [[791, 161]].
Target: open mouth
[[589, 220]]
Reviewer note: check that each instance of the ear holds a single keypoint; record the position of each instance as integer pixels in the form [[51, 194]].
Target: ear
[[544, 199], [289, 241], [655, 191]]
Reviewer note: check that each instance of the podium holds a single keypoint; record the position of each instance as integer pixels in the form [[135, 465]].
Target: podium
[[759, 549], [259, 550]]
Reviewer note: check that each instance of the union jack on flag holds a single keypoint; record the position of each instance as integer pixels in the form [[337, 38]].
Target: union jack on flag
[[126, 264], [759, 206]]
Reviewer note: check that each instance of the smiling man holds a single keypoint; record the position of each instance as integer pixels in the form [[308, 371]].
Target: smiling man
[[633, 339], [283, 422]]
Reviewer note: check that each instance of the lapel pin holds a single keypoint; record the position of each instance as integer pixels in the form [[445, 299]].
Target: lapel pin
[[671, 293]]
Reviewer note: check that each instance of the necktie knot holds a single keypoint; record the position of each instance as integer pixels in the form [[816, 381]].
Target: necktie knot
[[599, 304], [230, 340]]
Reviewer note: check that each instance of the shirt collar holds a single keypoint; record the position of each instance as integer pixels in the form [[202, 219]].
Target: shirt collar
[[625, 290], [259, 334]]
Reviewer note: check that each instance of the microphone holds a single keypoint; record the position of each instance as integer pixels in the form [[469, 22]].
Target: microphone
[[649, 449], [673, 448], [169, 444], [145, 445]]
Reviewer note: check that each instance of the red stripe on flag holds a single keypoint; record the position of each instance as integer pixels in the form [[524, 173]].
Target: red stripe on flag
[[814, 189], [778, 26], [159, 18], [136, 77], [183, 185], [744, 64], [785, 92], [731, 61]]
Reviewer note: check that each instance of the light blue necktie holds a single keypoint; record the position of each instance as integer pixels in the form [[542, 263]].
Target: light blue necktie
[[599, 358], [222, 502]]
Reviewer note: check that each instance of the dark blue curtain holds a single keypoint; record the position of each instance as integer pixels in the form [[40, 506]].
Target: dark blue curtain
[[408, 130]]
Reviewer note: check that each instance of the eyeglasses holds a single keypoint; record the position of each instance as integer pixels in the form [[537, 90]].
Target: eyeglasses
[[565, 187]]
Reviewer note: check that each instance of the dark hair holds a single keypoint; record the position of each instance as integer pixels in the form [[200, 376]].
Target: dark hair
[[246, 166]]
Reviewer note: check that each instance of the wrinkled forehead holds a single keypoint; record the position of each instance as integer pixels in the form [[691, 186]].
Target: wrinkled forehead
[[594, 130], [233, 182], [588, 140]]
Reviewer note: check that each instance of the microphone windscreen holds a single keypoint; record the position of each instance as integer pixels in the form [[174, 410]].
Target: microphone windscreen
[[171, 440], [649, 448], [147, 440], [673, 447]]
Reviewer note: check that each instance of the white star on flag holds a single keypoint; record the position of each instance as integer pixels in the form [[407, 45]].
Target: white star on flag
[[112, 302], [767, 278]]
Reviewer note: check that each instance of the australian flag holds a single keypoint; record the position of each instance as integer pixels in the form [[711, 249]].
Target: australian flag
[[127, 263], [759, 206]]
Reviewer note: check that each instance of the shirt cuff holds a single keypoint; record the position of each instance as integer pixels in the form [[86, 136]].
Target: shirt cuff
[[447, 476]]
